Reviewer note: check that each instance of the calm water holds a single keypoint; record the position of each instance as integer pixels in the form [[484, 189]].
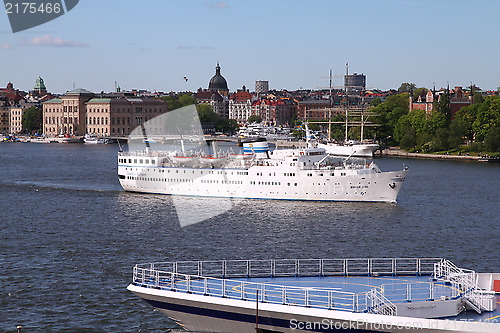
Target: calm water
[[69, 235]]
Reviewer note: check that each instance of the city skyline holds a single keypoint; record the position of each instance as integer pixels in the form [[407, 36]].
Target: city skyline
[[153, 45]]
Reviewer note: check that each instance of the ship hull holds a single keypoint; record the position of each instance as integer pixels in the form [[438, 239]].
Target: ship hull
[[198, 312], [264, 182]]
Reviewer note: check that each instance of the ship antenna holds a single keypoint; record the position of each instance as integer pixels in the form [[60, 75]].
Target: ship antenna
[[120, 149]]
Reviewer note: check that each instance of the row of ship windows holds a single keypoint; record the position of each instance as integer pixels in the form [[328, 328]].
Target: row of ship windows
[[270, 174], [169, 180], [267, 183], [146, 161], [208, 181], [182, 180], [141, 161]]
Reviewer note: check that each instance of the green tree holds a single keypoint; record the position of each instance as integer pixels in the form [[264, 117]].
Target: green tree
[[293, 121], [406, 87], [186, 99], [389, 113], [408, 138], [32, 120], [206, 114], [442, 105], [419, 92], [376, 102], [255, 119], [178, 101], [492, 139], [477, 98], [441, 140], [230, 126], [488, 116], [464, 118], [457, 133]]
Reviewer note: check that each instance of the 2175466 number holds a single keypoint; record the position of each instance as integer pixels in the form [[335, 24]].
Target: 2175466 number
[[32, 8]]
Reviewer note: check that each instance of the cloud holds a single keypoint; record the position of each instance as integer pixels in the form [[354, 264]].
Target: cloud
[[217, 5], [190, 47], [48, 40], [5, 46]]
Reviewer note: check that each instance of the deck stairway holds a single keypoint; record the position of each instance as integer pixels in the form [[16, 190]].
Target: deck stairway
[[465, 284], [377, 303]]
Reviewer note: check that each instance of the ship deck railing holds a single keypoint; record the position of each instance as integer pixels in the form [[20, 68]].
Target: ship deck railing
[[261, 280], [233, 162]]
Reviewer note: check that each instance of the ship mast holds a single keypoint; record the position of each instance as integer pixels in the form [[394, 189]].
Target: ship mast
[[331, 107], [346, 102]]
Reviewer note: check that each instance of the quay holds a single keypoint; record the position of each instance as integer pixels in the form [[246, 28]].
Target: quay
[[396, 152]]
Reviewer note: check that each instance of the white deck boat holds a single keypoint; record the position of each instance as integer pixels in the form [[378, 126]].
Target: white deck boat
[[289, 174], [428, 295]]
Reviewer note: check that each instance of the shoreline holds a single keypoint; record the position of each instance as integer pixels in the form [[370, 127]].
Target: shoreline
[[397, 152]]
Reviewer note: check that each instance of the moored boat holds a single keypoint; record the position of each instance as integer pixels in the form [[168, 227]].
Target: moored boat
[[94, 140], [352, 148]]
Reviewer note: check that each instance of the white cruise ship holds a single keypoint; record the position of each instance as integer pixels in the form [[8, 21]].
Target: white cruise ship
[[288, 174]]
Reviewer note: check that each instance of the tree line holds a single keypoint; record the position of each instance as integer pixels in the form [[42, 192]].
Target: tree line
[[474, 128]]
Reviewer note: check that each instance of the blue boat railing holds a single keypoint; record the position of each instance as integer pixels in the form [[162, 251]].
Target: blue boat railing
[[226, 278]]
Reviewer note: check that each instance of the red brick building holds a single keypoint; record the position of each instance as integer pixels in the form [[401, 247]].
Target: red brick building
[[420, 104]]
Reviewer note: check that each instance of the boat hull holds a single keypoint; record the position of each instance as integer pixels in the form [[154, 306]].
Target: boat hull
[[263, 182], [198, 312]]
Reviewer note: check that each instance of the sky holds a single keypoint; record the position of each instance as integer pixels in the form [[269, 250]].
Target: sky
[[153, 44]]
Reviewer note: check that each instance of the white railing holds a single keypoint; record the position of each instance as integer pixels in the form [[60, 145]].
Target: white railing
[[379, 304], [465, 282], [214, 278], [301, 267]]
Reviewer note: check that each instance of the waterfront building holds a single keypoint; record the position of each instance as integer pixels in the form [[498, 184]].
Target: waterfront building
[[314, 109], [66, 115], [9, 97], [119, 116], [4, 115], [274, 111], [16, 116], [240, 105], [81, 112]]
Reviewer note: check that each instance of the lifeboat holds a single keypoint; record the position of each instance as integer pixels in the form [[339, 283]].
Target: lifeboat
[[217, 160], [184, 158]]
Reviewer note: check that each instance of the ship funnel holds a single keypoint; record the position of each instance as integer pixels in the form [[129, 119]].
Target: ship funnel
[[255, 146]]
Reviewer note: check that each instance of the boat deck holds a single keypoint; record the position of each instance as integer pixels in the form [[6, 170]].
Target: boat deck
[[394, 288], [379, 286]]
